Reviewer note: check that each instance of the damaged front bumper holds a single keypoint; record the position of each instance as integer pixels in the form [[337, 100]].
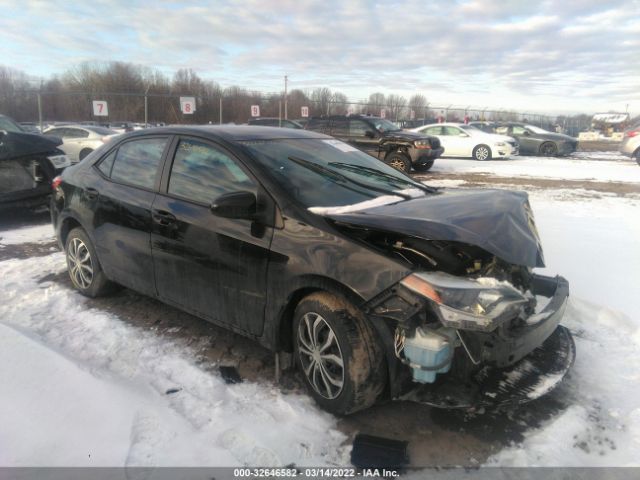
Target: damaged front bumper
[[510, 359]]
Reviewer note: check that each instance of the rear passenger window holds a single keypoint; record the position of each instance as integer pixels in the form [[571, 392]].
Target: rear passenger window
[[136, 162], [201, 173]]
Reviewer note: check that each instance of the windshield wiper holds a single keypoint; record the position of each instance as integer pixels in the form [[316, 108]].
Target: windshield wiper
[[378, 173], [343, 179]]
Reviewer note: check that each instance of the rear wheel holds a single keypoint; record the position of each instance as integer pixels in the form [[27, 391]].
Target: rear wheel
[[482, 152], [637, 156], [82, 262], [399, 161], [424, 167], [548, 149], [338, 353]]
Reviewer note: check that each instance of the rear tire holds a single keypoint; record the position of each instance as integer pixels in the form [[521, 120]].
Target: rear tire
[[548, 149], [424, 167], [84, 268], [482, 152], [637, 156], [399, 161], [84, 153], [337, 351]]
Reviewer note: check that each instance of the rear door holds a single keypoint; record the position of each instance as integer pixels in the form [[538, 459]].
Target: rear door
[[212, 266], [121, 198]]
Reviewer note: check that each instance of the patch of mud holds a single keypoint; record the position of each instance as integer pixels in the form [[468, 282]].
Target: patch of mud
[[618, 189]]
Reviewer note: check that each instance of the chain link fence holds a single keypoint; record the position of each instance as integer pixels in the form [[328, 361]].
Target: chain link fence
[[223, 107]]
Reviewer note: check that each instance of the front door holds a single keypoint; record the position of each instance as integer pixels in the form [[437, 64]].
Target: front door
[[212, 266]]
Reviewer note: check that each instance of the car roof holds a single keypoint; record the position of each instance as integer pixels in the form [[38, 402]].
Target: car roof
[[231, 133]]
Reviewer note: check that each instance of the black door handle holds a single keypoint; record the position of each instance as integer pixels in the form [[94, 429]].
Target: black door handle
[[91, 193], [163, 217]]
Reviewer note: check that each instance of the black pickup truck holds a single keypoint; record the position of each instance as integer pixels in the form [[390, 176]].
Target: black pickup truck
[[28, 164], [382, 139]]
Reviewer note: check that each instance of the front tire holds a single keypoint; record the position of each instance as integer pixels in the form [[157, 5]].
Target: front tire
[[337, 351], [399, 161], [82, 262], [482, 152]]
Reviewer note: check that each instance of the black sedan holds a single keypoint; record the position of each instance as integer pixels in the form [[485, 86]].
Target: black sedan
[[538, 141], [379, 285]]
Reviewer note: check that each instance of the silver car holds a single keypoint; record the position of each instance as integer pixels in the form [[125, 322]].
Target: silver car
[[631, 143], [78, 141]]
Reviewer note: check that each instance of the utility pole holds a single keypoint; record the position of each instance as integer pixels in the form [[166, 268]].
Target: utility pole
[[146, 107], [40, 106], [220, 109], [285, 97]]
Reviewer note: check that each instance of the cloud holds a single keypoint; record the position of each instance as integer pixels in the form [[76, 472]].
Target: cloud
[[454, 51]]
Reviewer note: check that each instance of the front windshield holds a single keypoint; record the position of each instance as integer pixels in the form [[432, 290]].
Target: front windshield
[[329, 173], [536, 129], [384, 126], [9, 125]]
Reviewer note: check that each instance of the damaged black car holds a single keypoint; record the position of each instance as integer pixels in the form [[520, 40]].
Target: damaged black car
[[28, 164], [378, 286]]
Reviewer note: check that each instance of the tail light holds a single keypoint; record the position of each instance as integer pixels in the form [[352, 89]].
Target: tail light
[[632, 133], [55, 183]]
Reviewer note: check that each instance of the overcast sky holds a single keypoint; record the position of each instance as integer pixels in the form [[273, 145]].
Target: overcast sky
[[563, 56]]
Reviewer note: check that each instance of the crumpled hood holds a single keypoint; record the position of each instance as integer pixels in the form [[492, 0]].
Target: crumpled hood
[[14, 145], [498, 221]]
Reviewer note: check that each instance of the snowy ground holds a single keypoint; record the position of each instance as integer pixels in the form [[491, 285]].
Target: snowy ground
[[83, 386]]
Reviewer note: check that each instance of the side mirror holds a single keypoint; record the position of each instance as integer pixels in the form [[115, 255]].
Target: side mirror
[[526, 133], [370, 134], [235, 205]]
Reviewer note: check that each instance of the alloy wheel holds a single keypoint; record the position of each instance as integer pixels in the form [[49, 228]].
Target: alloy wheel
[[482, 153], [79, 263], [320, 355]]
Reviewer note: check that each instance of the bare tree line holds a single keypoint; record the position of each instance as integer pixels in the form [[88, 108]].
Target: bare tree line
[[68, 97]]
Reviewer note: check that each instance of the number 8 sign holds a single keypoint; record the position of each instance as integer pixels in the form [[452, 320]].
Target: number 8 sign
[[100, 108]]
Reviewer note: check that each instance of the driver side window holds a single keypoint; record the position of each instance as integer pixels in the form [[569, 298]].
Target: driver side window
[[202, 172]]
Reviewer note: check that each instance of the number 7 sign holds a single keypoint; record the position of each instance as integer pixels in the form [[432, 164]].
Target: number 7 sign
[[100, 108]]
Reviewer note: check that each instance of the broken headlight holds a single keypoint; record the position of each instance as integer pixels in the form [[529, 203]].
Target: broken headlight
[[468, 304]]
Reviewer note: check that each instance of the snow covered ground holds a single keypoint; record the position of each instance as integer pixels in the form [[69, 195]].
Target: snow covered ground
[[611, 167], [83, 387]]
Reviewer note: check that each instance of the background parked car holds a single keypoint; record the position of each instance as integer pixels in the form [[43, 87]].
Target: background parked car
[[631, 143], [78, 141], [274, 122], [460, 140], [28, 164], [538, 141], [30, 127], [380, 138]]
